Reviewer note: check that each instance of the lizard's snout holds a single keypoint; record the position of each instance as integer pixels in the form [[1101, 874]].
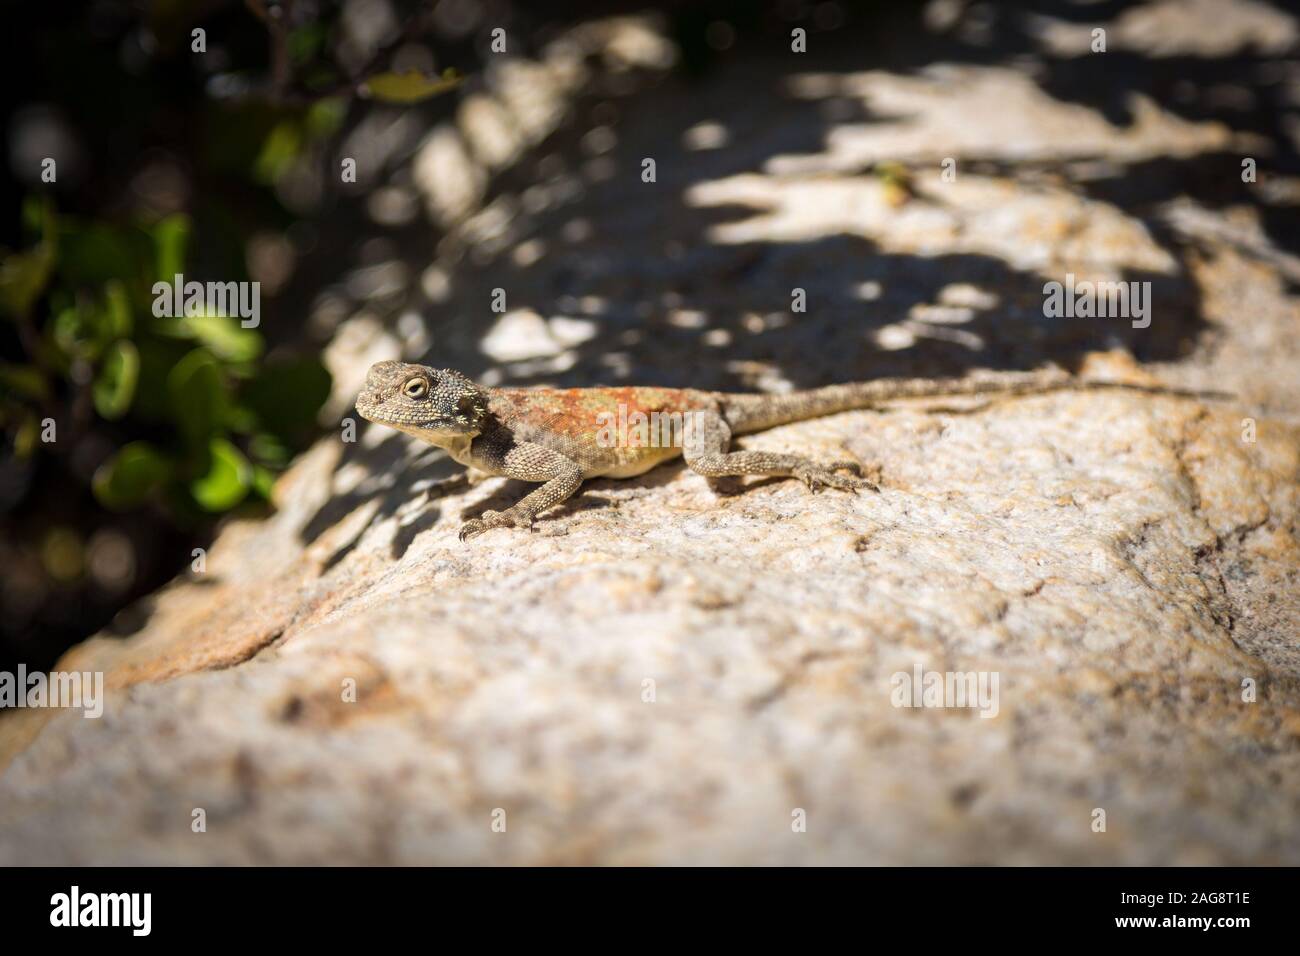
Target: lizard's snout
[[366, 400]]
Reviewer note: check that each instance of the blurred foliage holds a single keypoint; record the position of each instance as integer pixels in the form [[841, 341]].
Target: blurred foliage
[[410, 86], [198, 414], [196, 140], [219, 419], [190, 139]]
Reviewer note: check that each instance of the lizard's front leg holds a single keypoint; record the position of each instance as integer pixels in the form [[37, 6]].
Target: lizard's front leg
[[527, 462]]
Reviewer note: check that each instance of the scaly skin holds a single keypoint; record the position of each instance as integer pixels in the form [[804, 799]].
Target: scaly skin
[[560, 437]]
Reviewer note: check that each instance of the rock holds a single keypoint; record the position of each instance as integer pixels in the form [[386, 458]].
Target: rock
[[655, 675], [1019, 121], [487, 127], [520, 334], [1106, 556], [1164, 28], [450, 180]]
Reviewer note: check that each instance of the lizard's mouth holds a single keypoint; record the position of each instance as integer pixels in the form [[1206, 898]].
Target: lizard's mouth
[[416, 424], [371, 408], [419, 421]]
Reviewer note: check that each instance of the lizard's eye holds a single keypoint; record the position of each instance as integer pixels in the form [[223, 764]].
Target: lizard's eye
[[415, 388]]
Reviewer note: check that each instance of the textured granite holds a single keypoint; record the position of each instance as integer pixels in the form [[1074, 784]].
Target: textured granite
[[658, 676]]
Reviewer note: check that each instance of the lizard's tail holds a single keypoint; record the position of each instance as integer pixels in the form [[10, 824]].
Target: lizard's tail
[[751, 413]]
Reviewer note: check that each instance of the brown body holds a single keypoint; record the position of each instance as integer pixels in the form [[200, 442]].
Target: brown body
[[569, 421]]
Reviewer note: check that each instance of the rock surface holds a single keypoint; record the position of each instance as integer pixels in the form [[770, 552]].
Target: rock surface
[[658, 676]]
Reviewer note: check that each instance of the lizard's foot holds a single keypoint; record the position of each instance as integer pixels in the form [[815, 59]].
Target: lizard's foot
[[494, 519], [817, 477]]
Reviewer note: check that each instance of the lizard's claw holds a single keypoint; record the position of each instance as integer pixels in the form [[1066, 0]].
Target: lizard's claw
[[494, 519], [817, 477]]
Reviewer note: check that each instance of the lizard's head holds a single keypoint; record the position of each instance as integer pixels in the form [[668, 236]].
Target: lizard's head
[[427, 402]]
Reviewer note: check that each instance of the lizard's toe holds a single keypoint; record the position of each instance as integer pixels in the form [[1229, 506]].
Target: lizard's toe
[[814, 476], [858, 480], [844, 482], [494, 519], [472, 528], [817, 477]]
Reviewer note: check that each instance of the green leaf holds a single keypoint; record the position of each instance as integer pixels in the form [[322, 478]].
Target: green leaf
[[409, 87], [38, 217], [269, 449], [115, 385], [239, 419], [158, 357], [23, 277], [263, 481], [305, 42], [87, 328], [224, 336], [198, 396], [227, 481], [27, 439], [279, 150], [128, 479], [170, 238], [24, 380], [325, 116], [117, 318], [91, 253], [75, 331], [287, 395]]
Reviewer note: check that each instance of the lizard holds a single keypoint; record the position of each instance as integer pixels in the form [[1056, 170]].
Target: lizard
[[562, 437]]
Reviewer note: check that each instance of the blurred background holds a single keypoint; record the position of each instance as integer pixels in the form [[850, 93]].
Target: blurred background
[[209, 138], [213, 154]]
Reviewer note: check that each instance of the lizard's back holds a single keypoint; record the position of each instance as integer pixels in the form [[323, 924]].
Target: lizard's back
[[612, 432]]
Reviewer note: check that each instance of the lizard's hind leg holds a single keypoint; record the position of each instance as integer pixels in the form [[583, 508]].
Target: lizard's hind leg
[[705, 451]]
